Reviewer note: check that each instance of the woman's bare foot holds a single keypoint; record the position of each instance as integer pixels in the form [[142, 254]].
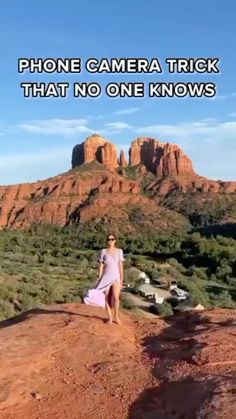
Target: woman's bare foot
[[108, 321], [118, 321]]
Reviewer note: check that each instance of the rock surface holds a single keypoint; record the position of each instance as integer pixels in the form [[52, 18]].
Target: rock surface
[[191, 184], [80, 367], [159, 158], [163, 159], [96, 148], [55, 199]]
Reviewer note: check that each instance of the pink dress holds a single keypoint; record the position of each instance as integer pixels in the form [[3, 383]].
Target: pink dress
[[110, 274]]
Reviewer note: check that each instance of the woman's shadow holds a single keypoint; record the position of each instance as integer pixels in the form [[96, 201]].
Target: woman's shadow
[[36, 311], [186, 396]]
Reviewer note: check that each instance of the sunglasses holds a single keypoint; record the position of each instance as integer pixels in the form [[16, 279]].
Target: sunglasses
[[110, 239]]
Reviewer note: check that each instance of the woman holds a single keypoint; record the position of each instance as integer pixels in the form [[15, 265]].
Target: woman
[[110, 280]]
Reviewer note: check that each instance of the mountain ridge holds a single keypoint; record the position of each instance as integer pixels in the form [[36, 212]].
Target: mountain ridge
[[157, 175]]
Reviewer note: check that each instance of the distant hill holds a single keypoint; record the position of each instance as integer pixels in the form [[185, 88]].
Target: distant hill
[[156, 190]]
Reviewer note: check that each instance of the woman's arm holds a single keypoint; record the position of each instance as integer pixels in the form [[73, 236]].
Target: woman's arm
[[100, 267], [121, 266], [121, 269], [100, 271]]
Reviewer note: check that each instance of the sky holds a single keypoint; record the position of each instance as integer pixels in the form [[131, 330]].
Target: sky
[[37, 134]]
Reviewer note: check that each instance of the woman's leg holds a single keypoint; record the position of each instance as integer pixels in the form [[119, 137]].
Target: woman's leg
[[116, 298], [108, 308]]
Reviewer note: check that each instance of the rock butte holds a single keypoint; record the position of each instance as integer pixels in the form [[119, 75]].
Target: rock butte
[[161, 159], [96, 148], [98, 173]]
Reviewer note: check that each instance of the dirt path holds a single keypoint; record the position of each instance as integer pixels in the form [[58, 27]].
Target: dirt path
[[68, 362], [65, 362]]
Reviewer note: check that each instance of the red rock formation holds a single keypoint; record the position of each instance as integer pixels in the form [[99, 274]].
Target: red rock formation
[[122, 161], [109, 156], [142, 150], [55, 199], [173, 162], [193, 184], [96, 148], [42, 357], [161, 159]]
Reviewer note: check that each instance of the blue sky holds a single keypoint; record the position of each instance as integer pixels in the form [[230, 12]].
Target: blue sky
[[37, 135]]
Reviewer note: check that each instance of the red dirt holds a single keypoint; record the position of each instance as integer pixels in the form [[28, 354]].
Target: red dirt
[[63, 361]]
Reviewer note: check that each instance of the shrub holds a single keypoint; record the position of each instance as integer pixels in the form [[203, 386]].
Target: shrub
[[222, 299], [83, 263], [51, 292], [8, 291], [40, 257], [131, 275], [128, 262], [50, 264], [223, 270], [67, 252], [28, 302], [126, 302], [135, 289], [151, 273], [72, 296], [198, 272], [231, 281], [6, 310], [173, 262], [196, 290], [162, 310], [55, 252]]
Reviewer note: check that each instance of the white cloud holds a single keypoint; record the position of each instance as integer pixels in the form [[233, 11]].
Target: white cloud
[[114, 128], [70, 127], [209, 143], [120, 126], [209, 120], [208, 130], [198, 139], [127, 111], [57, 126]]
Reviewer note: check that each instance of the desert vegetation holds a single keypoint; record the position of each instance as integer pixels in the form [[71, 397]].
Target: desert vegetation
[[204, 209], [47, 264]]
